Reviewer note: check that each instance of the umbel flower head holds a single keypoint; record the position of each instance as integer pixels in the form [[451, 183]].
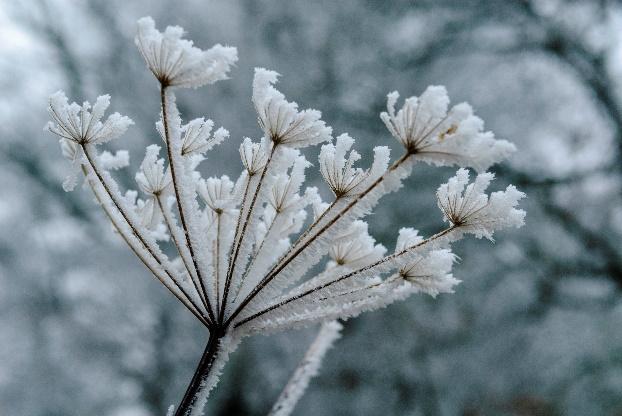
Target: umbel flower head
[[435, 135], [466, 205], [280, 119], [80, 125], [262, 251], [338, 172], [176, 62], [152, 178], [430, 273]]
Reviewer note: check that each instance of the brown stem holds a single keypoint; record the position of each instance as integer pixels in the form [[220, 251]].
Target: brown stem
[[249, 216], [200, 374], [217, 261], [202, 292], [170, 225]]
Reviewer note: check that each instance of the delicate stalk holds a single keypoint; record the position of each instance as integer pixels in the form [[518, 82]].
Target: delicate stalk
[[186, 299], [233, 260], [307, 369], [173, 232], [254, 258], [180, 206], [344, 277], [217, 261]]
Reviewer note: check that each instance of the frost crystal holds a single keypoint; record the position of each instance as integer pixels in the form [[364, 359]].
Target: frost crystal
[[280, 119], [467, 206], [198, 137], [262, 252], [455, 137], [176, 62], [338, 172], [81, 125]]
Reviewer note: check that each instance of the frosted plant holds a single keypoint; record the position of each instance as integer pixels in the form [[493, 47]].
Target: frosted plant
[[262, 252], [308, 367]]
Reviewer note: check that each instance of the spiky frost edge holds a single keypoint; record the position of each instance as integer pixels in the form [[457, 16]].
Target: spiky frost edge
[[307, 369]]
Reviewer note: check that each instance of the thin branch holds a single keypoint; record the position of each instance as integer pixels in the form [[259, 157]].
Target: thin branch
[[244, 226], [185, 299], [217, 260], [254, 257], [173, 231], [307, 369], [180, 206], [344, 277]]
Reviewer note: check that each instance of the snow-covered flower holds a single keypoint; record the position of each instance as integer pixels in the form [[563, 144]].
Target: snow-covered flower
[[356, 248], [79, 125], [82, 124], [241, 255], [219, 194], [118, 160], [72, 152], [151, 217], [152, 178], [434, 135], [429, 272], [466, 205], [280, 119], [254, 155], [338, 172], [176, 62], [283, 194], [198, 137]]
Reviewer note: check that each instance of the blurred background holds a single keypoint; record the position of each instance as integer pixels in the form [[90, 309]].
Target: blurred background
[[534, 329]]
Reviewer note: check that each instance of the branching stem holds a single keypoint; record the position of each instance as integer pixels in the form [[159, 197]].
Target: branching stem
[[345, 276], [186, 300], [279, 267], [170, 225]]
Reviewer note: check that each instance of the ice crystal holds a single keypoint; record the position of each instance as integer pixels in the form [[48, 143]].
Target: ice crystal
[[426, 128], [176, 62], [468, 208], [280, 119]]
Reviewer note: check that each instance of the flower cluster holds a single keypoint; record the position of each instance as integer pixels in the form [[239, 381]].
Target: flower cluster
[[435, 135], [248, 248]]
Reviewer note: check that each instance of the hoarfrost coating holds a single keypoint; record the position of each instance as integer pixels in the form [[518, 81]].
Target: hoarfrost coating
[[243, 263]]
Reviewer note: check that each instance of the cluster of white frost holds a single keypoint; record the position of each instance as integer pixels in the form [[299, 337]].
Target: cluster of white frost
[[176, 62], [442, 137], [246, 247]]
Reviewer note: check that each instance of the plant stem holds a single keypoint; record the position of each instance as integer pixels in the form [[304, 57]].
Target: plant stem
[[200, 287], [200, 374]]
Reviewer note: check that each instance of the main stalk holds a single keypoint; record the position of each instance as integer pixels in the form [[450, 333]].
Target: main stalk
[[201, 373]]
